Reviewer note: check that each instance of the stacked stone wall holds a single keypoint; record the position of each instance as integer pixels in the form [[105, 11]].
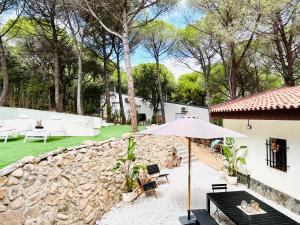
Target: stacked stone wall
[[71, 186]]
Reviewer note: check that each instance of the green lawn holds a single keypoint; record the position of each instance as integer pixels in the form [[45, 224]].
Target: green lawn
[[15, 149]]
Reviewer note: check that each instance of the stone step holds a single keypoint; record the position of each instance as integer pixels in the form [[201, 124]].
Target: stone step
[[186, 156], [194, 159], [182, 151]]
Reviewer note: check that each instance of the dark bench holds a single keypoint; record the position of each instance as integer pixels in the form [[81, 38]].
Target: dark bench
[[203, 217]]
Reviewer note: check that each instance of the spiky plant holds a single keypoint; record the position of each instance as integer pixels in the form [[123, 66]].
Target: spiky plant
[[128, 167]]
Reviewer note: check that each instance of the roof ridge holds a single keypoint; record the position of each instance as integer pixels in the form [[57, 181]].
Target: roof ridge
[[279, 95]]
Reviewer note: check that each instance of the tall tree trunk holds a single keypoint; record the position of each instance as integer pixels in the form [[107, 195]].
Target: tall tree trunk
[[58, 99], [161, 96], [122, 112], [289, 78], [286, 60], [106, 79], [5, 88], [206, 84], [131, 95], [106, 87], [78, 50], [233, 73], [79, 104]]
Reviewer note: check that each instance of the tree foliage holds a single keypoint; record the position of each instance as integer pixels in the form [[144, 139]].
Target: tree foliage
[[144, 75], [190, 89]]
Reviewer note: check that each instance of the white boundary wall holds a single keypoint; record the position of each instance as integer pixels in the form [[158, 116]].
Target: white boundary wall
[[287, 182], [74, 125]]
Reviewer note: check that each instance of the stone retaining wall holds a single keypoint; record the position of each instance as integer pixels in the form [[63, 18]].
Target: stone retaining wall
[[71, 186]]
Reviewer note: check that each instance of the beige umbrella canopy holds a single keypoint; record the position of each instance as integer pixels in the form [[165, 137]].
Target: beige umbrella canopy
[[191, 128]]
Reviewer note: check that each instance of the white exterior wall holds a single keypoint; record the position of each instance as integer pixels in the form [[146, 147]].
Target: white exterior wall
[[142, 106], [74, 125], [170, 108], [287, 182]]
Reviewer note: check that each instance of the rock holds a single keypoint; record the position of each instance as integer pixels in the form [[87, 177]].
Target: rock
[[3, 193], [44, 171], [53, 188], [64, 182], [13, 194], [90, 217], [82, 203], [102, 168], [3, 208], [54, 173], [62, 216], [87, 210], [103, 180], [17, 203], [35, 198], [86, 187], [18, 173], [51, 200], [12, 218], [12, 181], [33, 212], [29, 168], [29, 181], [14, 166], [3, 181]]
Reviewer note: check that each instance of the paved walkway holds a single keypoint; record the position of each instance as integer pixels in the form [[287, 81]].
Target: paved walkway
[[172, 199]]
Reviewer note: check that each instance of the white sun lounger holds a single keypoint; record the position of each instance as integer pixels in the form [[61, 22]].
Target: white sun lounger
[[5, 133], [23, 124], [55, 127], [37, 134]]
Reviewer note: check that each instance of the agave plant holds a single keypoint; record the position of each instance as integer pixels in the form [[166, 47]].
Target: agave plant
[[128, 167], [232, 156]]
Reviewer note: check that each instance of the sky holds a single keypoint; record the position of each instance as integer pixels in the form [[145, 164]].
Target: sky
[[175, 17]]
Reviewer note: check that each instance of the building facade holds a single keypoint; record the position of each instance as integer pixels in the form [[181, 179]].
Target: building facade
[[271, 120], [172, 111]]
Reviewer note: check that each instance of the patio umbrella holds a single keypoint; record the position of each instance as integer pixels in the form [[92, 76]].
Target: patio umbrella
[[191, 128]]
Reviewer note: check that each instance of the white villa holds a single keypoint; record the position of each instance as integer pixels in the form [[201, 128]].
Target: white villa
[[271, 120], [173, 111]]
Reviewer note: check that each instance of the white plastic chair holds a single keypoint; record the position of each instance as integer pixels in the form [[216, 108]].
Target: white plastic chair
[[38, 134], [55, 127], [23, 124]]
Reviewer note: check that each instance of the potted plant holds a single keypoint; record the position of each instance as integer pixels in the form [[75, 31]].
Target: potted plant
[[233, 159], [130, 170]]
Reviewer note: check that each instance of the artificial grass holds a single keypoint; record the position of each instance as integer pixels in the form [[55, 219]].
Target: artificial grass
[[15, 149]]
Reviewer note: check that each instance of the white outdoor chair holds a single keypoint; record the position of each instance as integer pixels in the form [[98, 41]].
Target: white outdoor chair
[[37, 134], [23, 124], [55, 127], [6, 131]]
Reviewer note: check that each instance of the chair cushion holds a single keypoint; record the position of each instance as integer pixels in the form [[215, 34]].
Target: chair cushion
[[150, 186], [153, 169]]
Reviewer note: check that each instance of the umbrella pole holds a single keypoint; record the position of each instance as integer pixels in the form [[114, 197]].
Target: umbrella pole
[[189, 181]]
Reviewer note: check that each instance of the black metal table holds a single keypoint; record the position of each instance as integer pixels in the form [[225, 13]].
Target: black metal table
[[227, 202]]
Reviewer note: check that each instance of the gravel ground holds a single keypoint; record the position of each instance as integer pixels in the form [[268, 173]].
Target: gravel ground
[[172, 199]]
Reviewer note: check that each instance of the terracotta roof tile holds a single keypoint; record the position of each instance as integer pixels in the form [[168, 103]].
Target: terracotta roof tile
[[282, 98]]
